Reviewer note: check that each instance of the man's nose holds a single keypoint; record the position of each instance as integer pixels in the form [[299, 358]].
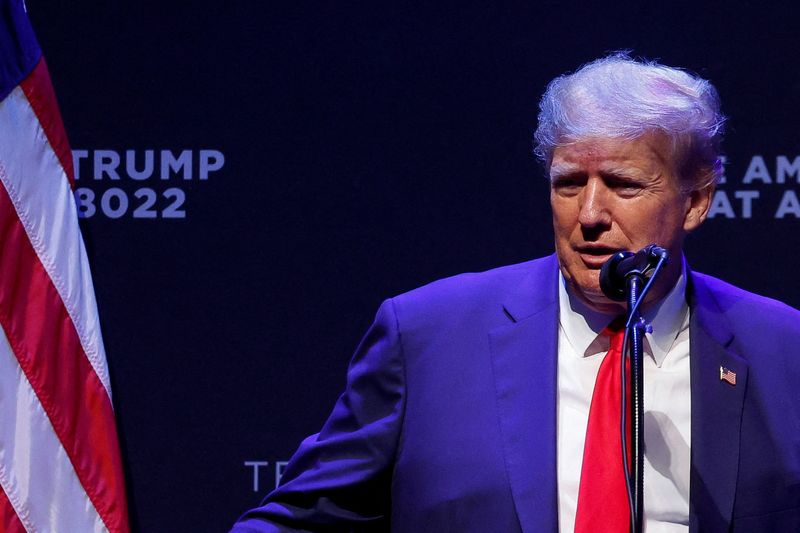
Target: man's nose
[[594, 208]]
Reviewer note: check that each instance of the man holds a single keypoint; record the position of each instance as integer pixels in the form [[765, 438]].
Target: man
[[468, 401]]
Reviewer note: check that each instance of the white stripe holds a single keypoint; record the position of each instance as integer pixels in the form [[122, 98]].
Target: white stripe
[[35, 471], [42, 197]]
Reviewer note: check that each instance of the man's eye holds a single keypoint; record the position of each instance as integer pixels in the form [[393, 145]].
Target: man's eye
[[567, 186], [627, 188]]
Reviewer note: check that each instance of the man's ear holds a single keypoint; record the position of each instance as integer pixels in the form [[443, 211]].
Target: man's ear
[[698, 203]]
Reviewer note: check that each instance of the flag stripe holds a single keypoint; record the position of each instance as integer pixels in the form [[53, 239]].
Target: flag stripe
[[9, 521], [60, 468], [42, 98], [38, 222], [35, 472], [44, 203], [46, 345]]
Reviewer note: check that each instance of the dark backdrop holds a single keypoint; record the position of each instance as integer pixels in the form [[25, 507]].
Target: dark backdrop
[[367, 150]]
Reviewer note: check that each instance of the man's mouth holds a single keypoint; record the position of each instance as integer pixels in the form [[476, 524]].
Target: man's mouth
[[595, 256]]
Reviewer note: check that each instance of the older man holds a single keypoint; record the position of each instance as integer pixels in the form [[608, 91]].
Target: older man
[[472, 403]]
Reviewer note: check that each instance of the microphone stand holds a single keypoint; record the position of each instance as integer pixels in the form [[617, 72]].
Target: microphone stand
[[635, 325], [622, 278]]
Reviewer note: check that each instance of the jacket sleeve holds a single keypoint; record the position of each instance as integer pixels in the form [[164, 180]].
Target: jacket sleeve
[[340, 478]]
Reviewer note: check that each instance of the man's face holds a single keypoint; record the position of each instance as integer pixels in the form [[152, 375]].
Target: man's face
[[614, 194]]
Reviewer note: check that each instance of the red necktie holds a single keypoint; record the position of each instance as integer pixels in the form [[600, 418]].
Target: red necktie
[[603, 498]]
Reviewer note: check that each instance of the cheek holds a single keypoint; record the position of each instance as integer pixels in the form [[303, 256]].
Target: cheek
[[564, 215], [657, 223], [672, 215]]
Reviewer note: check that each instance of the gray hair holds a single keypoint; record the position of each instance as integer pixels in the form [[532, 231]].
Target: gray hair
[[620, 97]]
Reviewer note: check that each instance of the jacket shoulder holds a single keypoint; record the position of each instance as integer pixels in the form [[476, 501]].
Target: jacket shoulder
[[750, 314], [474, 296], [476, 286], [738, 301]]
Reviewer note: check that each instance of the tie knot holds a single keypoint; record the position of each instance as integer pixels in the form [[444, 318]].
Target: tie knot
[[616, 333]]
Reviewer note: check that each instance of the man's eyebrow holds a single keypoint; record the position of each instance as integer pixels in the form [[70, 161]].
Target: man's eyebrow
[[562, 170], [620, 171]]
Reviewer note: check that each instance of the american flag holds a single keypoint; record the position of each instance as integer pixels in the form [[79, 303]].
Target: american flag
[[728, 375], [60, 467]]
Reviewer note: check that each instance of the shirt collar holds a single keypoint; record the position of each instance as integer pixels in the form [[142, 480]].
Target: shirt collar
[[582, 325]]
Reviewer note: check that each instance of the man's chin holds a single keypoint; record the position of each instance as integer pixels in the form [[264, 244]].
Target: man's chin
[[593, 296]]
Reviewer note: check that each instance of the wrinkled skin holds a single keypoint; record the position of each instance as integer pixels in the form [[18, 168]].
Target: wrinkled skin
[[612, 194]]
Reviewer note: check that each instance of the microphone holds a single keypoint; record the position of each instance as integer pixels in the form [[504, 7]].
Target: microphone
[[620, 266]]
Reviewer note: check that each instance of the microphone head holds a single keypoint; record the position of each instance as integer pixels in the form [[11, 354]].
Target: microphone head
[[611, 282], [619, 267]]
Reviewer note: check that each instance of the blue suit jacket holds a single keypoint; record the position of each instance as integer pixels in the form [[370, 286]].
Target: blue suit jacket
[[448, 422]]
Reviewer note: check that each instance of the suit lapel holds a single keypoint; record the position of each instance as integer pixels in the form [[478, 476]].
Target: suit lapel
[[524, 355], [524, 363], [716, 412]]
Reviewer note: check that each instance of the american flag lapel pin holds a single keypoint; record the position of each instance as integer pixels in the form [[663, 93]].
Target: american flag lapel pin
[[725, 374]]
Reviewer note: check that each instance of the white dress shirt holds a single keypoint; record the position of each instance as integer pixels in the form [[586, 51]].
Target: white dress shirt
[[667, 403]]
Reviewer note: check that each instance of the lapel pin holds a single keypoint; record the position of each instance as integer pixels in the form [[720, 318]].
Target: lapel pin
[[728, 375]]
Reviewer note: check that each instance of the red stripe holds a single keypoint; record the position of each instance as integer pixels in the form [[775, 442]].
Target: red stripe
[[47, 346], [9, 521], [39, 92]]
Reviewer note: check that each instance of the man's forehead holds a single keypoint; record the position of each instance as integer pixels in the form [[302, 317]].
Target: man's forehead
[[606, 155]]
